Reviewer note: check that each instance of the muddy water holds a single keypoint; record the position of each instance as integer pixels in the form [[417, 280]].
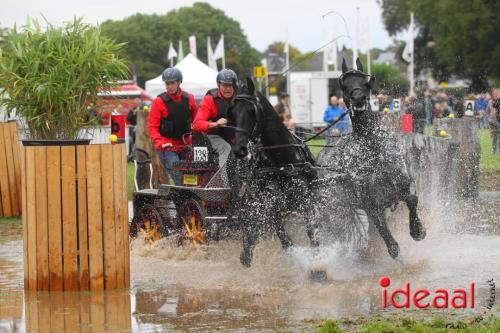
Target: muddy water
[[206, 289]]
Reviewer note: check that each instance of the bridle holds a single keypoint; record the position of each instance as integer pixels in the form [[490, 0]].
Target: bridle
[[255, 134], [348, 95]]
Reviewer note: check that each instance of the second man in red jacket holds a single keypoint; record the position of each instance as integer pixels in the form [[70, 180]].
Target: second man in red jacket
[[212, 115]]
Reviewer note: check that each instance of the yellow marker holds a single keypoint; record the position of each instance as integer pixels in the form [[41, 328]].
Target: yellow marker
[[443, 134], [113, 138]]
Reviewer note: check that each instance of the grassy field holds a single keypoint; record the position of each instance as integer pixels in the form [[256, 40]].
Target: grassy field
[[377, 324]]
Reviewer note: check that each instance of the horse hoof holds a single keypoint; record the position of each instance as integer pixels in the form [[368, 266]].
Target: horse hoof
[[317, 276], [393, 250], [246, 259], [417, 230]]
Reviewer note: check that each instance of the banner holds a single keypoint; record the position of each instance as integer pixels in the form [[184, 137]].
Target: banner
[[212, 63], [192, 45]]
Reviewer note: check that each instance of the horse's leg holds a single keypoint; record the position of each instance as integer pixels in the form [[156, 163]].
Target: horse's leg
[[417, 229], [286, 242], [378, 218], [250, 234], [312, 231]]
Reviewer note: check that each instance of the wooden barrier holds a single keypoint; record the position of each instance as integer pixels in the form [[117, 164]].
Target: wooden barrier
[[75, 217], [77, 312], [143, 141], [10, 171]]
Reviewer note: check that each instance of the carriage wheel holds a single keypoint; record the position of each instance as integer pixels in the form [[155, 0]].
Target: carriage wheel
[[148, 224], [192, 222]]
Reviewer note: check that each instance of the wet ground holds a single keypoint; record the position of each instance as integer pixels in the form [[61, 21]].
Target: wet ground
[[206, 289]]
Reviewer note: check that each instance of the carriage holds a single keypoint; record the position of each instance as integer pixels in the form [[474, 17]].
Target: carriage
[[194, 210]]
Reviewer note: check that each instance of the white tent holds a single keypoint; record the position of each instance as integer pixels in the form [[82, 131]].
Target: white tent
[[197, 78]]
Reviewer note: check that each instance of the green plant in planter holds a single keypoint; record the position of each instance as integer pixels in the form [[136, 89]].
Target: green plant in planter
[[51, 76]]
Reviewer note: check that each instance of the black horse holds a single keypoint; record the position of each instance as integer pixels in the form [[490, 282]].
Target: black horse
[[373, 159], [279, 170]]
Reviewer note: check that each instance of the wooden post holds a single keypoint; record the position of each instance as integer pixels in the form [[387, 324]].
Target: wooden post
[[466, 132], [75, 218], [143, 141]]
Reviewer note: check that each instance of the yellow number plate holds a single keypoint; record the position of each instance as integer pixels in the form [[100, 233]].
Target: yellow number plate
[[190, 180]]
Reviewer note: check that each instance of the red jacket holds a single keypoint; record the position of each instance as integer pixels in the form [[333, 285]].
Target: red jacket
[[207, 110], [159, 110]]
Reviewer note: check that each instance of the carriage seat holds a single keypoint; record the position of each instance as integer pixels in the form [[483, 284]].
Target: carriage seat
[[199, 162]]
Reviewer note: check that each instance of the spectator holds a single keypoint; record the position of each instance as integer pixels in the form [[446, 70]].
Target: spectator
[[283, 109], [417, 109], [428, 102], [494, 120], [333, 112], [132, 120], [481, 110]]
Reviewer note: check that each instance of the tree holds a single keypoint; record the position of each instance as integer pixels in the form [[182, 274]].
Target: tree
[[389, 80], [148, 38], [455, 36]]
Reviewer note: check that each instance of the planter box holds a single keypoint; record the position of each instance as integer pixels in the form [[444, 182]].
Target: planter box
[[75, 220]]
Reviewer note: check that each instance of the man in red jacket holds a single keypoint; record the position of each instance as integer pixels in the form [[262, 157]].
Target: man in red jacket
[[212, 114], [170, 119]]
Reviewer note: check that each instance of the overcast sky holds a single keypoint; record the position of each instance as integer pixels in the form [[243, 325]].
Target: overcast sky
[[263, 21]]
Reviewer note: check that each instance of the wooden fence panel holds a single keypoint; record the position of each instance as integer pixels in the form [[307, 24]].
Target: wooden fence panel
[[54, 217], [42, 254], [10, 171], [4, 177], [95, 217]]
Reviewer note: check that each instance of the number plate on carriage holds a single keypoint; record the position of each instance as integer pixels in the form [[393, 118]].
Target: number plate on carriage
[[200, 154], [190, 180]]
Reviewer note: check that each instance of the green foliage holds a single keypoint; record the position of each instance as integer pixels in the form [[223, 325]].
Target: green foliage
[[457, 36], [389, 80], [329, 326], [51, 76], [148, 38], [278, 47]]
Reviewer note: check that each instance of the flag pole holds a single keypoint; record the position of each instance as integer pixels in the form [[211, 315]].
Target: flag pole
[[223, 54], [412, 75], [287, 64], [355, 40]]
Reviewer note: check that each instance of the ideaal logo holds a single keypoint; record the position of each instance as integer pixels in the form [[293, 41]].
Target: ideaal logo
[[439, 298]]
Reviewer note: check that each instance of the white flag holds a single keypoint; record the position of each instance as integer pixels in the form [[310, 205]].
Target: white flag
[[192, 45], [406, 55], [408, 50], [286, 48], [171, 52], [212, 63], [219, 49]]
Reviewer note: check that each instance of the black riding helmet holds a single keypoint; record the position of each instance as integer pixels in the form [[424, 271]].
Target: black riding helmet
[[172, 74], [227, 76]]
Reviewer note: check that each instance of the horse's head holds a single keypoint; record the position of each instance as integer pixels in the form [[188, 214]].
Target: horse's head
[[246, 112], [356, 87]]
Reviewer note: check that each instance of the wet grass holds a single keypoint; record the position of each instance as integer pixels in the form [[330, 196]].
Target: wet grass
[[315, 146], [130, 179], [489, 163], [9, 227], [403, 325]]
